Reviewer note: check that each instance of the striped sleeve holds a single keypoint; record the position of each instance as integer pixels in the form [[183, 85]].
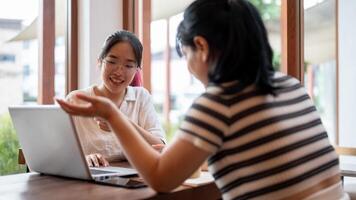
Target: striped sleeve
[[204, 124]]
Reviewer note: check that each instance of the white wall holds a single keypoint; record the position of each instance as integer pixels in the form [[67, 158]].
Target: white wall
[[97, 19], [347, 73]]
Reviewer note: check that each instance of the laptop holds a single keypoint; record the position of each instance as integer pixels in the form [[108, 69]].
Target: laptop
[[51, 145]]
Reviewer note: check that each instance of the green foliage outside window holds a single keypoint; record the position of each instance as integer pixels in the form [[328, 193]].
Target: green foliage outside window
[[170, 130], [9, 147], [276, 61], [269, 10]]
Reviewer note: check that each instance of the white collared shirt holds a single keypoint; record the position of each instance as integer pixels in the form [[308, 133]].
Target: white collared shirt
[[137, 106]]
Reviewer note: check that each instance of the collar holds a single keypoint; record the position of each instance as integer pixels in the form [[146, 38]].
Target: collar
[[130, 94], [230, 87]]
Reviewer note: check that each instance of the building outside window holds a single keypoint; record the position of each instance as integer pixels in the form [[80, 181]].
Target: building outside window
[[18, 73]]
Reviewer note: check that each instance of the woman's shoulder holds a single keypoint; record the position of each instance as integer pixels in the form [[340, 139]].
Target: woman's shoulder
[[138, 91], [280, 79], [72, 94], [139, 95]]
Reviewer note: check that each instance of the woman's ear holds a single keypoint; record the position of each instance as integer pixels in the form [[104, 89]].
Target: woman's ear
[[98, 62], [202, 45]]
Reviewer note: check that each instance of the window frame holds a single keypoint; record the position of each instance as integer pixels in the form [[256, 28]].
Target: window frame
[[293, 57], [46, 60]]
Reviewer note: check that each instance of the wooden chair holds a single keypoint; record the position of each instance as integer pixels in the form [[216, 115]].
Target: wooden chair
[[21, 158], [137, 80]]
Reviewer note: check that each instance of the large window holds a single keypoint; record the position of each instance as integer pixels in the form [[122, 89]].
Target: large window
[[176, 88], [346, 71], [320, 59], [22, 57], [329, 68], [18, 73]]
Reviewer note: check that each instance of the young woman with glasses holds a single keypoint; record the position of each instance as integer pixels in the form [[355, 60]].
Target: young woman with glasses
[[119, 61]]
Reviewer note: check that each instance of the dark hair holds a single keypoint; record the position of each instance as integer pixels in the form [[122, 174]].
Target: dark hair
[[122, 36], [238, 44]]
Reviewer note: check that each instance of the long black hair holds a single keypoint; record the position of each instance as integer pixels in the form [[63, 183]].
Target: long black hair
[[238, 44], [122, 36]]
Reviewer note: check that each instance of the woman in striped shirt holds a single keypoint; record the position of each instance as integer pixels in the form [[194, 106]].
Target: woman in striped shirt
[[259, 130]]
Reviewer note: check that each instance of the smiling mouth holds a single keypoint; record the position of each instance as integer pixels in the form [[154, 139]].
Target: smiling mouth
[[116, 81]]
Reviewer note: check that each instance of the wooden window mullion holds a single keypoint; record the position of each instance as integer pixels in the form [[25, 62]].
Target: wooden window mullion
[[292, 38], [46, 41], [72, 46]]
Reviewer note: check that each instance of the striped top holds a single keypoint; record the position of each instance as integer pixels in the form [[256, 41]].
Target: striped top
[[262, 146]]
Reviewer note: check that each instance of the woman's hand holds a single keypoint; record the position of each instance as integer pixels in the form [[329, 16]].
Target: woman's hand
[[98, 106], [103, 125], [96, 160]]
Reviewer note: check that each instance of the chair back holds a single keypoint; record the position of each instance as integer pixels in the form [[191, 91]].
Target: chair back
[[137, 80]]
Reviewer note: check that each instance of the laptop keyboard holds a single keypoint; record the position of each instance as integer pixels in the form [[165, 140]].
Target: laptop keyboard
[[98, 172], [121, 171]]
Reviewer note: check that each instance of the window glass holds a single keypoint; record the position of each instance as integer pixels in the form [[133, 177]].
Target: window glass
[[59, 51], [270, 11], [320, 59], [184, 88], [18, 73], [346, 72]]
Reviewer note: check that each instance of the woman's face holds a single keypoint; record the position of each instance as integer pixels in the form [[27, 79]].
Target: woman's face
[[197, 66], [118, 68]]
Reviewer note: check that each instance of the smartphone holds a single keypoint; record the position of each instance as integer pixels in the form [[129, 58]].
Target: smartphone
[[120, 182]]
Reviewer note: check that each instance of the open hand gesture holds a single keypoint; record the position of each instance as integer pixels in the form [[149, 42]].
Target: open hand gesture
[[96, 107]]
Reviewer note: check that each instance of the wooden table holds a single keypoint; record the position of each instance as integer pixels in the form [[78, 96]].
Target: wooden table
[[37, 186]]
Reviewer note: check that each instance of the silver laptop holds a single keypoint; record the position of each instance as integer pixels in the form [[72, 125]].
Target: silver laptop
[[51, 144]]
